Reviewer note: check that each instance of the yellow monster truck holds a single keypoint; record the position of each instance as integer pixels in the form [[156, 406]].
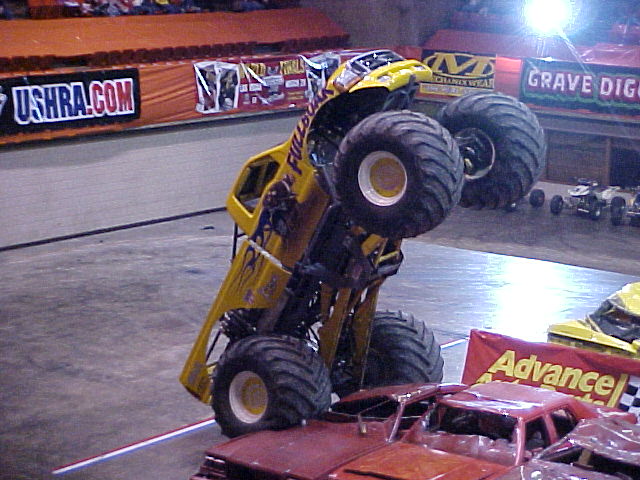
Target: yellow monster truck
[[613, 328], [321, 218]]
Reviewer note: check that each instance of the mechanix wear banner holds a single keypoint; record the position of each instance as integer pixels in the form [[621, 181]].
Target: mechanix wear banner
[[42, 102], [456, 73]]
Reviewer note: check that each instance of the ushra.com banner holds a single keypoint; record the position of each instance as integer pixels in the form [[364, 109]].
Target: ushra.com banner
[[68, 100], [590, 376]]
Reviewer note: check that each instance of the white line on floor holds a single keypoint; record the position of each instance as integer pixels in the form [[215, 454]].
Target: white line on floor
[[134, 446]]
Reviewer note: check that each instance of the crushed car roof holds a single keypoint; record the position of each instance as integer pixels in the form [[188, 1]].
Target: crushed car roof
[[614, 439], [608, 437], [395, 392], [502, 397]]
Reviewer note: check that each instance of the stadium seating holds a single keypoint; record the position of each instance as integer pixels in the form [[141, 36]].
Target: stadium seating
[[99, 42]]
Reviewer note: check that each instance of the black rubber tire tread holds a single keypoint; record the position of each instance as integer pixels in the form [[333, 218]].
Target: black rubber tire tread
[[595, 209], [519, 143], [295, 376], [618, 201], [434, 170], [556, 204], [617, 213], [402, 350], [536, 198]]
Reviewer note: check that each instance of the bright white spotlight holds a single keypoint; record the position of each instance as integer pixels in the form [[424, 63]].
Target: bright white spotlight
[[547, 16]]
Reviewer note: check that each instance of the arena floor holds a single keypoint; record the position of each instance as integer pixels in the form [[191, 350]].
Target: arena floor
[[95, 330]]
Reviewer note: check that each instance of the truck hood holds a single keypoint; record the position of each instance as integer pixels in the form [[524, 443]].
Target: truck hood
[[407, 461], [304, 452]]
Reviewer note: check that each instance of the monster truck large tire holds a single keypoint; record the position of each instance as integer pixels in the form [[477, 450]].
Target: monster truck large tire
[[401, 350], [502, 145], [268, 382], [398, 174]]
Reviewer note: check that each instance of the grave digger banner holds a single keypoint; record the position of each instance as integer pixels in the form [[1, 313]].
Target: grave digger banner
[[590, 376], [596, 88], [263, 83], [456, 73]]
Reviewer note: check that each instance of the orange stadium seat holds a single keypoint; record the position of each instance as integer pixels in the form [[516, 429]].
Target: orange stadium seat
[[19, 64], [5, 64], [95, 42], [101, 59]]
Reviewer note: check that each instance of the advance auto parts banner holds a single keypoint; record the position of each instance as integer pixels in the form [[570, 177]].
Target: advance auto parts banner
[[597, 88], [33, 103], [592, 377], [456, 73], [265, 83]]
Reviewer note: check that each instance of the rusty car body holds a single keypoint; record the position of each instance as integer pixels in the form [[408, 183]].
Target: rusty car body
[[359, 423], [598, 448], [479, 432]]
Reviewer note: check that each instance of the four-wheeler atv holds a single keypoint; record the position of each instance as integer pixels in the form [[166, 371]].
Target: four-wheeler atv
[[613, 328], [586, 198], [620, 210], [322, 217]]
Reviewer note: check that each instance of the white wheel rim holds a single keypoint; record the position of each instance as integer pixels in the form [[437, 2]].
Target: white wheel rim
[[481, 162], [248, 397], [382, 178]]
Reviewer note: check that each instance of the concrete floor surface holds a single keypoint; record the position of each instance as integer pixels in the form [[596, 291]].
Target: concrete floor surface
[[94, 331]]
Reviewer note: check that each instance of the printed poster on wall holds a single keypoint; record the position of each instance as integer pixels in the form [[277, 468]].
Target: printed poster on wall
[[456, 73], [596, 88], [258, 84], [590, 376], [42, 102]]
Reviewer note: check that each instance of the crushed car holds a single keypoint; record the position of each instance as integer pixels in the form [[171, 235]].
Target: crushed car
[[355, 425], [479, 432], [596, 449]]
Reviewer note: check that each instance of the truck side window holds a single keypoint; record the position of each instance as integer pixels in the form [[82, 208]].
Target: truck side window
[[414, 411], [564, 421], [536, 435], [254, 180]]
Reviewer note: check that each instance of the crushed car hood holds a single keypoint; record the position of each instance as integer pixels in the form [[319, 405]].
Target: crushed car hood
[[407, 461], [304, 452]]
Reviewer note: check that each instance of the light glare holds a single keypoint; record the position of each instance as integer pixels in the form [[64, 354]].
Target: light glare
[[547, 16]]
